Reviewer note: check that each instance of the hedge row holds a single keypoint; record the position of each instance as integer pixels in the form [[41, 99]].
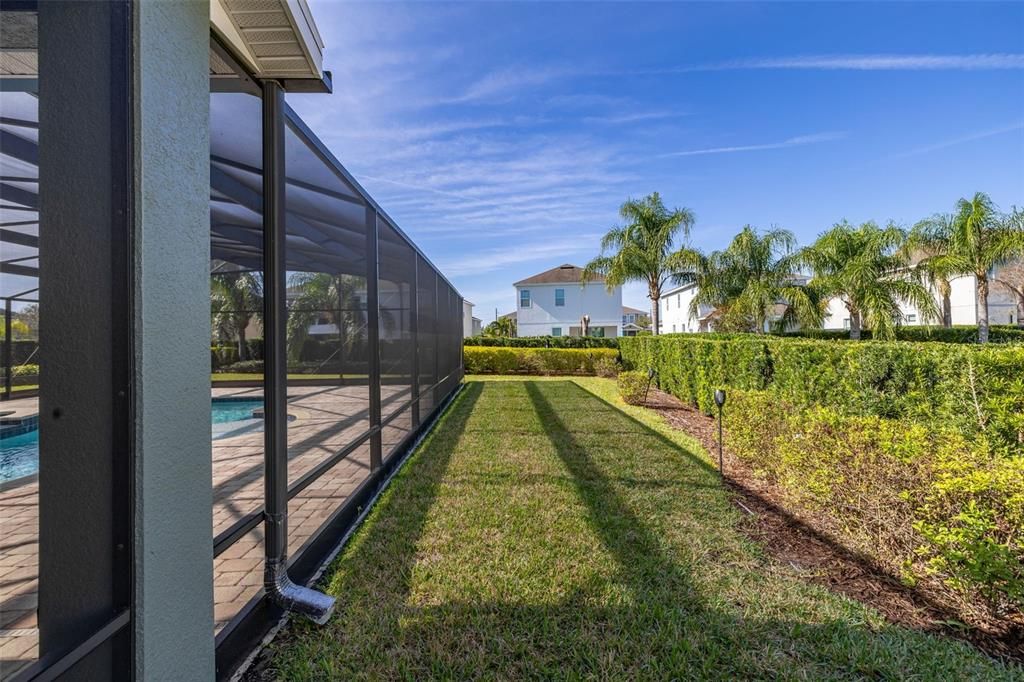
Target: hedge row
[[956, 334], [975, 389], [542, 342], [589, 361], [925, 501], [911, 452]]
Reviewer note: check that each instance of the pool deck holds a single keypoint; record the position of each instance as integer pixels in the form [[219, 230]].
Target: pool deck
[[323, 420]]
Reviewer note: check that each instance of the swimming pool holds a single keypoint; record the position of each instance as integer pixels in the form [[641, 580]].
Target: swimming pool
[[19, 455]]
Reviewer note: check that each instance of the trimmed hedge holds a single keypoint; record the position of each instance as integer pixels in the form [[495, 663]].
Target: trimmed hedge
[[542, 342], [926, 501], [955, 334], [976, 389], [633, 386], [912, 452], [480, 360]]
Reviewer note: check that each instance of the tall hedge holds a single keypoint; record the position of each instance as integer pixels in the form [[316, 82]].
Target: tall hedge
[[958, 334], [542, 342], [976, 389], [911, 452]]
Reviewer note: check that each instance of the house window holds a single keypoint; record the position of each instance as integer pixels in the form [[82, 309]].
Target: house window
[[524, 298], [556, 331], [911, 318], [679, 301], [846, 323], [559, 297], [673, 329]]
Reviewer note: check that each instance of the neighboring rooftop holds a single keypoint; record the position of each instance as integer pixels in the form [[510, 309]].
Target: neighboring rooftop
[[626, 310], [563, 274]]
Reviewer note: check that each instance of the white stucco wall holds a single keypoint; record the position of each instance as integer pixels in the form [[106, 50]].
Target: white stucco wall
[[603, 307], [467, 319], [1001, 307], [674, 311]]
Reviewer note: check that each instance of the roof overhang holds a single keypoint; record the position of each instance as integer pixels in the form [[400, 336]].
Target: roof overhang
[[272, 39]]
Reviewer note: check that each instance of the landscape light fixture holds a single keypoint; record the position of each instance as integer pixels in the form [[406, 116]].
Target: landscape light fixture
[[720, 401], [650, 378]]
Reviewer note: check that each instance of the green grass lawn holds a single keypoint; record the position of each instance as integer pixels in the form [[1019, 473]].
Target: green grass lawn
[[546, 530]]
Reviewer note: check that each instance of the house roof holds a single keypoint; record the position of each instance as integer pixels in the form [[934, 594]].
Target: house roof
[[626, 310], [563, 274]]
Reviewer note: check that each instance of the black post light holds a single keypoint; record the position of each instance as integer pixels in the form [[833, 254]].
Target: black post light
[[720, 401], [650, 378]]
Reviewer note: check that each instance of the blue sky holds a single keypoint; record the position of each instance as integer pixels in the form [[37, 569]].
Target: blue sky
[[502, 137]]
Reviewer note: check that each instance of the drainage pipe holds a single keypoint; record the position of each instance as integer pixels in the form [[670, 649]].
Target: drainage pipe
[[295, 598]]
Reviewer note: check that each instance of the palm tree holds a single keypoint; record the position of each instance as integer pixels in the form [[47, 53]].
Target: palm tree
[[503, 326], [974, 240], [325, 296], [236, 298], [747, 280], [929, 243], [867, 268], [642, 250]]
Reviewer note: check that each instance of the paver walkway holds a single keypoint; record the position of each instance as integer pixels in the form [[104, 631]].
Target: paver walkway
[[323, 419]]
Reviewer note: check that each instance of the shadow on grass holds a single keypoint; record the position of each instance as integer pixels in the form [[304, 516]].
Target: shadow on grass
[[888, 591], [662, 612]]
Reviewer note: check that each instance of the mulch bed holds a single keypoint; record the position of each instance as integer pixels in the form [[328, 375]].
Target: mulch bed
[[801, 544]]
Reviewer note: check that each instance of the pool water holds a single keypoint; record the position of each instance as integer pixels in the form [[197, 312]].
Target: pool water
[[224, 411], [19, 455]]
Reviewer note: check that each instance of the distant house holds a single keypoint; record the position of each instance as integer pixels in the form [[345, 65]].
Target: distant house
[[467, 320], [555, 302], [674, 312], [631, 318], [1002, 307]]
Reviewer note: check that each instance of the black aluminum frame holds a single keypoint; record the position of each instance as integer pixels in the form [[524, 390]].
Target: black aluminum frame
[[244, 632], [82, 647]]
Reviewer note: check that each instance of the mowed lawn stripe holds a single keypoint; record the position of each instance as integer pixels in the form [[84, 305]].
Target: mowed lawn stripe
[[546, 530]]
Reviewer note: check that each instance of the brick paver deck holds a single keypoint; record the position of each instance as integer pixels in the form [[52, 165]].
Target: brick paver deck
[[323, 419]]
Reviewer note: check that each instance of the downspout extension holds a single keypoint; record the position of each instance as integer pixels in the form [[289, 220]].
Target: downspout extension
[[278, 585], [309, 603]]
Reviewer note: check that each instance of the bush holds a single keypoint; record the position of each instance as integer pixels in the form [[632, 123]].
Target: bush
[[542, 342], [633, 387], [957, 334], [501, 360], [975, 389], [926, 502], [24, 375], [607, 367]]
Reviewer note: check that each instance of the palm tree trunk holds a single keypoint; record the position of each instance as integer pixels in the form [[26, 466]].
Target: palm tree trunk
[[947, 306], [854, 325], [1020, 310], [982, 303], [242, 347], [655, 313]]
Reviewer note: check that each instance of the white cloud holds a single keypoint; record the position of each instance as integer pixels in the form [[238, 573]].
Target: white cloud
[[493, 260], [797, 141], [870, 62], [980, 135], [637, 117]]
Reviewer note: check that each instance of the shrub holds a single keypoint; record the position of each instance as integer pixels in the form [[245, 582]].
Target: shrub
[[500, 360], [976, 389], [633, 386], [24, 375], [542, 342], [957, 334], [924, 501], [606, 367]]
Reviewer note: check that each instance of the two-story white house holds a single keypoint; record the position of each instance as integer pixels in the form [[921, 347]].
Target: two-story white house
[[555, 302], [631, 319], [674, 312], [1002, 307]]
